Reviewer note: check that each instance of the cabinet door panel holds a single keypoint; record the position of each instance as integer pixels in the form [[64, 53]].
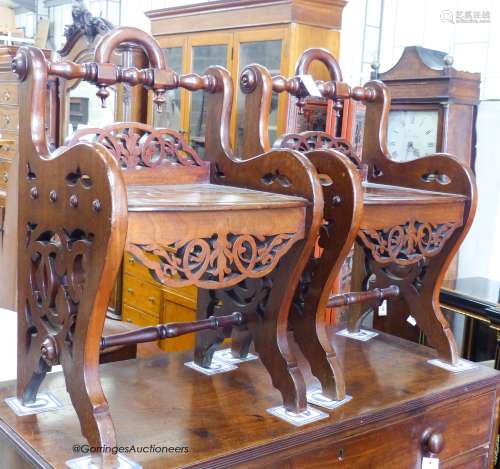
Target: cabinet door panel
[[267, 52], [202, 57], [170, 117]]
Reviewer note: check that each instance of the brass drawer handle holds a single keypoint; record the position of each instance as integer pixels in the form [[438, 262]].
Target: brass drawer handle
[[6, 96], [6, 177], [131, 260], [7, 119], [152, 299], [130, 290], [432, 441]]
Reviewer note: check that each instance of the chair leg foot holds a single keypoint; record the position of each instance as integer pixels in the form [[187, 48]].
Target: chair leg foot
[[433, 323], [285, 373], [90, 404], [246, 298], [29, 392], [241, 342], [207, 343], [314, 341]]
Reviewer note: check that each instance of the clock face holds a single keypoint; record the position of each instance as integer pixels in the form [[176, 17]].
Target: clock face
[[412, 134]]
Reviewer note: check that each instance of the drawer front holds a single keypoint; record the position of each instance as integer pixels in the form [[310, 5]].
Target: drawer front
[[9, 118], [8, 93], [175, 312], [133, 267], [142, 295], [185, 295], [137, 317], [189, 294], [4, 173], [9, 150], [472, 460], [463, 424], [181, 297]]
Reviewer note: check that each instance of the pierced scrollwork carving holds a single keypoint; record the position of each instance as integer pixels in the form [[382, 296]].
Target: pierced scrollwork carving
[[316, 140], [408, 243], [220, 261], [56, 279], [137, 146]]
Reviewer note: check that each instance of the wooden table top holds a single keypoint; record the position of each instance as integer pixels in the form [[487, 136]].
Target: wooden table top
[[203, 197], [222, 419]]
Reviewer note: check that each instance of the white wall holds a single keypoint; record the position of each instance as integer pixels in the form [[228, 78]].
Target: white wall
[[480, 253]]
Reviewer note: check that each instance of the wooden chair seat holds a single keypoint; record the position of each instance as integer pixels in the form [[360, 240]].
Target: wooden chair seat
[[205, 197], [382, 194]]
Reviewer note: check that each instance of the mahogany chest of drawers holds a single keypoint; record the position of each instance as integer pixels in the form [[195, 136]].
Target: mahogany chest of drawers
[[400, 406]]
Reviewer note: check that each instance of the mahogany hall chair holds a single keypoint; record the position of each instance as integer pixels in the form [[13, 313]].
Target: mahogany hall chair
[[212, 223], [415, 214], [342, 192], [414, 217]]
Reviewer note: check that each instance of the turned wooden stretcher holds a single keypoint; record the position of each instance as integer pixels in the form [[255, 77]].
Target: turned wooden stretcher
[[214, 223], [415, 216]]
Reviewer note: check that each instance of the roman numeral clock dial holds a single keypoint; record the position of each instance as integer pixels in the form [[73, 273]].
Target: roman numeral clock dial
[[412, 134]]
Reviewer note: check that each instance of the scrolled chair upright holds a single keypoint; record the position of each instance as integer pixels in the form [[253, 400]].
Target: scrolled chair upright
[[413, 219], [214, 223]]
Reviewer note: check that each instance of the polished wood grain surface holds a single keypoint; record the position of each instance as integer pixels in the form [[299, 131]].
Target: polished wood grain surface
[[381, 194], [397, 396], [223, 14], [205, 197]]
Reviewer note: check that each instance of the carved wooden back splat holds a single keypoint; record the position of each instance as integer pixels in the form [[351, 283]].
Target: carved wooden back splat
[[148, 155]]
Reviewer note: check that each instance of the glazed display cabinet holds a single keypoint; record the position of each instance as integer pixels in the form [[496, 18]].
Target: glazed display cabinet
[[234, 34]]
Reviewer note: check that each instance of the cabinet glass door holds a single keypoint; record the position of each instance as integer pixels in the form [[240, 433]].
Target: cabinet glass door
[[267, 53], [202, 57], [170, 117]]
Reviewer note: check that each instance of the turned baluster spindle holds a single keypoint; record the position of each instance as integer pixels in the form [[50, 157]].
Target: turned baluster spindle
[[362, 93], [291, 86], [170, 330], [195, 82], [377, 294]]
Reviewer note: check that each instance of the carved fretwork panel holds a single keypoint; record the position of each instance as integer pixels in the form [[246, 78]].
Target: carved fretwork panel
[[139, 146], [65, 219], [248, 297], [408, 243], [56, 281], [317, 140], [220, 261]]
